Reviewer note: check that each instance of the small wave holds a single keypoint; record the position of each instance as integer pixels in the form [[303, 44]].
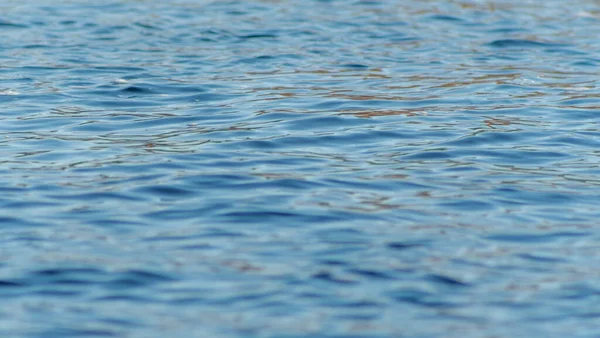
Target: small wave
[[522, 43]]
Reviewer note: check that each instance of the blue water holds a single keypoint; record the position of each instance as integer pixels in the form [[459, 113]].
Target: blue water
[[272, 168]]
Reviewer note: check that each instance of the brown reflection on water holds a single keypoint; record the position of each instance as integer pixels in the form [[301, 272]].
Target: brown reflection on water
[[488, 78], [376, 113], [496, 122], [357, 97]]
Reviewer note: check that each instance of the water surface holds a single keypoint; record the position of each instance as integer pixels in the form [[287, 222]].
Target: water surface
[[299, 168]]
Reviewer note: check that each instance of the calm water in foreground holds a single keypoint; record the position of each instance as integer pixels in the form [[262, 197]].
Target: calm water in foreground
[[299, 168]]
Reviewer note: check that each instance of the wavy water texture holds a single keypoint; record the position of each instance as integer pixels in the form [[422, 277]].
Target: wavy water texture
[[273, 168]]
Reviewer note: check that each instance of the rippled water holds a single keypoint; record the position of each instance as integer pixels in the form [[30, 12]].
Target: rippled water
[[299, 168]]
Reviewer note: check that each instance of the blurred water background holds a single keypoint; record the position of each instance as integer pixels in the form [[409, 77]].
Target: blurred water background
[[299, 168]]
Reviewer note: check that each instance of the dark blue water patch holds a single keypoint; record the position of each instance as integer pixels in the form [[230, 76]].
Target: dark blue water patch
[[9, 284], [214, 35], [463, 169], [392, 23], [581, 101], [467, 205], [586, 63], [423, 299], [542, 259], [11, 25], [37, 46], [260, 144], [147, 88], [429, 155], [99, 197], [565, 51], [361, 304], [265, 182], [282, 218], [442, 17], [368, 3], [561, 140], [446, 281], [333, 262], [522, 43], [578, 291], [402, 246], [136, 90], [115, 223], [538, 238], [260, 60], [189, 214], [16, 222], [371, 274], [147, 25], [123, 298], [292, 184], [116, 104], [60, 272], [258, 36], [356, 66], [137, 278], [67, 332]]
